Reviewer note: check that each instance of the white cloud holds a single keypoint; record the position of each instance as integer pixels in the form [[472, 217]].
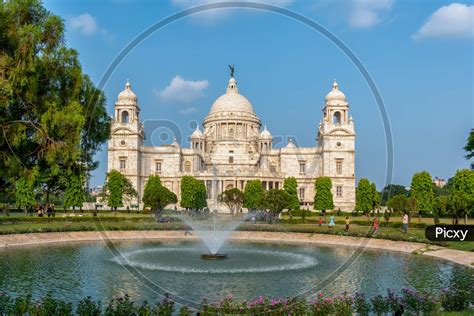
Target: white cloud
[[212, 16], [182, 90], [453, 20], [84, 23], [368, 13], [188, 110]]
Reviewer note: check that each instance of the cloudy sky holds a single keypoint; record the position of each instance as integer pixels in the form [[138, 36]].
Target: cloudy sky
[[419, 53]]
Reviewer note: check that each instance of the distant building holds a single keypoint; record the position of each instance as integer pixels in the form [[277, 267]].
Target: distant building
[[233, 149], [439, 182]]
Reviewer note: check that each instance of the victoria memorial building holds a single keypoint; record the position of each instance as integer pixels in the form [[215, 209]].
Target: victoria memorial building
[[233, 148]]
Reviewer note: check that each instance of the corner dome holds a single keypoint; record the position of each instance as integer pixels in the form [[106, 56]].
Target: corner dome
[[265, 134], [127, 95], [197, 133], [232, 101], [336, 96]]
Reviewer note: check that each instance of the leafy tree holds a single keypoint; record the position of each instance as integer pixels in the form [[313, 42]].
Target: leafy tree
[[376, 197], [253, 194], [391, 190], [364, 196], [53, 116], [461, 200], [156, 196], [398, 203], [129, 191], [187, 192], [24, 193], [443, 191], [193, 193], [74, 195], [323, 199], [440, 207], [422, 191], [290, 185], [412, 206], [117, 188], [233, 198], [469, 148], [200, 199], [275, 201]]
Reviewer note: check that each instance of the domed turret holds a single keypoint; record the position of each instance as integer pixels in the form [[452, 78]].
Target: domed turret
[[265, 134], [127, 96], [336, 96], [197, 133]]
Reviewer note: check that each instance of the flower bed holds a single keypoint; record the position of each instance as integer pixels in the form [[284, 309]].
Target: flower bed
[[408, 301]]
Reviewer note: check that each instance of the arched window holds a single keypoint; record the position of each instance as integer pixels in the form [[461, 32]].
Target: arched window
[[125, 117], [336, 118], [187, 166], [231, 133]]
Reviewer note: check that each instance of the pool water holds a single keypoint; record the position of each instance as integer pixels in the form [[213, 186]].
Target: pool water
[[146, 269]]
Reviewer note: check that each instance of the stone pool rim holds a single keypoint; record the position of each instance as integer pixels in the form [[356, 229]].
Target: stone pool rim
[[460, 257]]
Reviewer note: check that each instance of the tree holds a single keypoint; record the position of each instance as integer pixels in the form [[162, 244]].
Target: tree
[[440, 207], [422, 191], [129, 191], [323, 199], [53, 117], [461, 200], [376, 197], [411, 206], [469, 148], [74, 195], [200, 199], [24, 193], [253, 194], [233, 198], [391, 190], [193, 193], [290, 185], [156, 196], [398, 203], [117, 188], [275, 201], [364, 196]]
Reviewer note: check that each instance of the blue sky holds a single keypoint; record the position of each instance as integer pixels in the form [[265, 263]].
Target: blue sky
[[419, 53]]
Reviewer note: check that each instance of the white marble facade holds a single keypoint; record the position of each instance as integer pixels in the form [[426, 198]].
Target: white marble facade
[[234, 148]]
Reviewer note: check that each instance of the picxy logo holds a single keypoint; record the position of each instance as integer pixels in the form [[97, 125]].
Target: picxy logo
[[450, 233]]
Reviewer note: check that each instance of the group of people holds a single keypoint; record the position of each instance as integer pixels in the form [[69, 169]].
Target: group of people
[[41, 210], [375, 223], [331, 224]]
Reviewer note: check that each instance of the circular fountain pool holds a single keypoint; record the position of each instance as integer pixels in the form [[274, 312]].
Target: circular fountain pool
[[73, 271]]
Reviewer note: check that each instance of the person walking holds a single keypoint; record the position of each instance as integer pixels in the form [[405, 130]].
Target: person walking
[[347, 224], [375, 226], [331, 221], [405, 223], [320, 221]]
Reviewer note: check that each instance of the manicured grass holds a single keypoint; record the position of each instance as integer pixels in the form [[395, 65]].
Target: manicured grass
[[139, 221]]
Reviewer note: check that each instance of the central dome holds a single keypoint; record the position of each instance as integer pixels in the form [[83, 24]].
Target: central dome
[[232, 101]]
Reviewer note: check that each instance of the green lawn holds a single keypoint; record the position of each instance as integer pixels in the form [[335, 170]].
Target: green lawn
[[17, 223]]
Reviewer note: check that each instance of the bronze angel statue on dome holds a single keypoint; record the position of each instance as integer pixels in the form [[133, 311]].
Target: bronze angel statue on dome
[[232, 70]]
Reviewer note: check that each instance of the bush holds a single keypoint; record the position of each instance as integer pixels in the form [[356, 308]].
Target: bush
[[87, 307], [379, 305], [410, 302], [121, 306], [455, 299], [360, 304]]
